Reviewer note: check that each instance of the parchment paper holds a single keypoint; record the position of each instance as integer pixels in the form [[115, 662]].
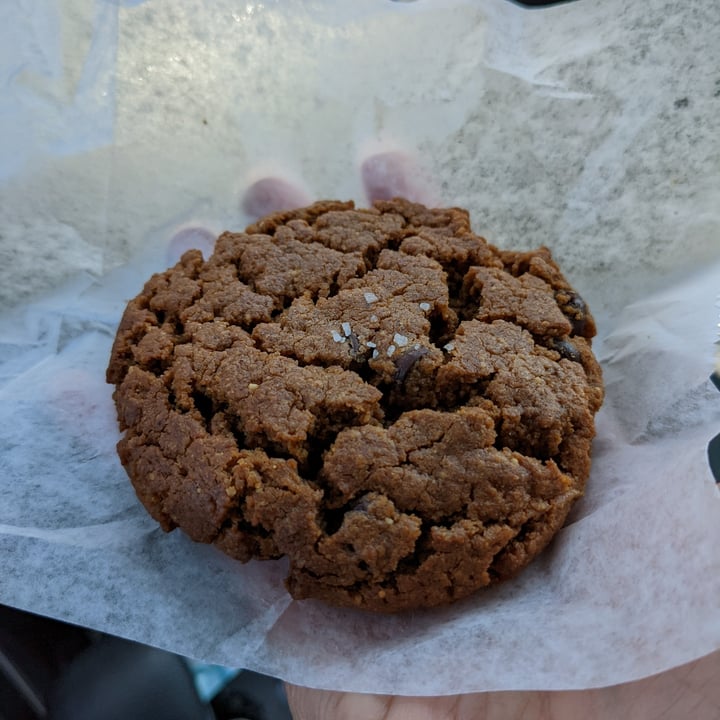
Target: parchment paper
[[594, 130]]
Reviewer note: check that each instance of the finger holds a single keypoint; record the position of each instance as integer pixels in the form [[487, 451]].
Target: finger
[[272, 194], [190, 238], [688, 691], [387, 175], [309, 704]]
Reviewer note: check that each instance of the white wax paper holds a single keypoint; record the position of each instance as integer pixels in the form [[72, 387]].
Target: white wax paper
[[592, 129]]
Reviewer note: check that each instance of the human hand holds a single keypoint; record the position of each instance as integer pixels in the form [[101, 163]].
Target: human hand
[[689, 691]]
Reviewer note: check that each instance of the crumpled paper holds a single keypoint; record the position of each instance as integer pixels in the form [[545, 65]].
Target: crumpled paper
[[591, 129]]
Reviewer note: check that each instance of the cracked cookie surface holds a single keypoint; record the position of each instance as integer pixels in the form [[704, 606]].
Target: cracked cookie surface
[[398, 407]]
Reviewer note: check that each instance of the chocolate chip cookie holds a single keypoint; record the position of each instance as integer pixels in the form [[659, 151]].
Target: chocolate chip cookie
[[400, 408]]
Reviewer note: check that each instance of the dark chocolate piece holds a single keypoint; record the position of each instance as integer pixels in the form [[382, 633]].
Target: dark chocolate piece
[[566, 349], [406, 361]]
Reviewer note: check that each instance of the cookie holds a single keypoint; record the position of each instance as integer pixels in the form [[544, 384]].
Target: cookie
[[400, 408]]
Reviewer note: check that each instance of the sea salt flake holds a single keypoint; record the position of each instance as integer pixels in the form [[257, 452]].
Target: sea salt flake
[[370, 297], [346, 329], [424, 306], [337, 337], [450, 346], [400, 340], [391, 351]]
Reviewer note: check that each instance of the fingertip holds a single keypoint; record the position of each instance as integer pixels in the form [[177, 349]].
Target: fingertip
[[190, 238], [272, 194], [390, 174]]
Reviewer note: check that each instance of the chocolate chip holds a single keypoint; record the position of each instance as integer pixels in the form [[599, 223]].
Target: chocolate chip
[[566, 349], [575, 309], [577, 303], [406, 361], [354, 343], [362, 505]]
